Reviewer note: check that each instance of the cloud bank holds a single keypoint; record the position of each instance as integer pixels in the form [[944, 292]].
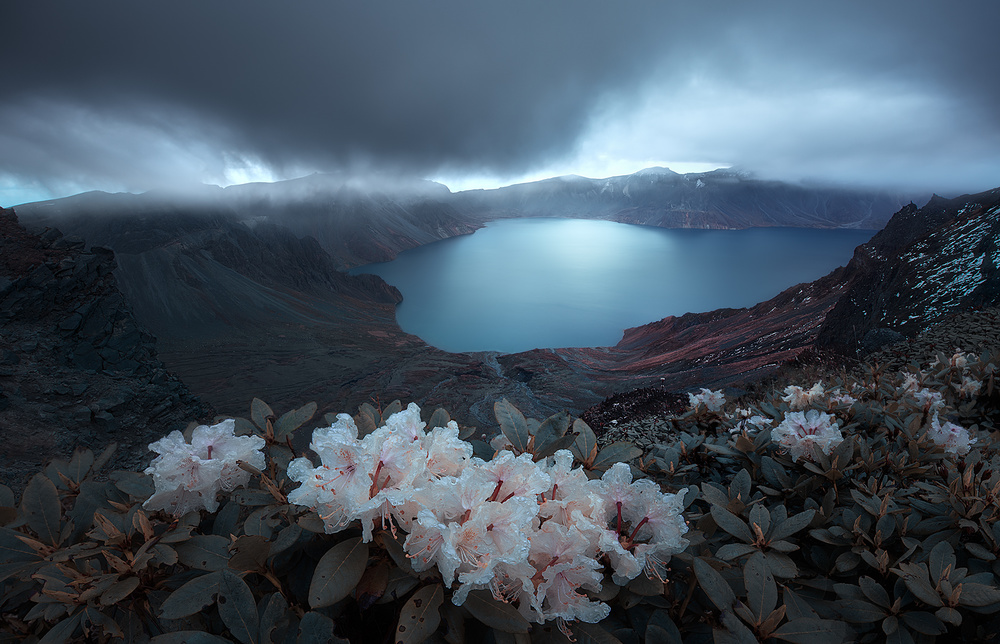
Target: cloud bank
[[133, 96]]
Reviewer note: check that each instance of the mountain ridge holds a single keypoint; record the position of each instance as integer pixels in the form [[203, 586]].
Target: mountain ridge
[[307, 340]]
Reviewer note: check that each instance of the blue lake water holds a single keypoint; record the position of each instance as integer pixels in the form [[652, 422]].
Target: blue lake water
[[521, 284]]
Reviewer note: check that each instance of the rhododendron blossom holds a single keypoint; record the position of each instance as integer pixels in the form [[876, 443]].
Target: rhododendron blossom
[[799, 431], [188, 476], [532, 533], [713, 400], [929, 399], [799, 398], [969, 388], [953, 438]]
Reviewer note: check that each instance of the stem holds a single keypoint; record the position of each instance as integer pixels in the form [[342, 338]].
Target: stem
[[619, 527], [634, 532], [496, 491]]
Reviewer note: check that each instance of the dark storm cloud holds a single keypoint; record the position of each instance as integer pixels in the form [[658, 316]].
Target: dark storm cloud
[[136, 94]]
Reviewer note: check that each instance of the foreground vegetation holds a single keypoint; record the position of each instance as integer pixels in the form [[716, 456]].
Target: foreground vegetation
[[860, 508]]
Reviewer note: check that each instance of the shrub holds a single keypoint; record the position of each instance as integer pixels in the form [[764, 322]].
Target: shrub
[[887, 531]]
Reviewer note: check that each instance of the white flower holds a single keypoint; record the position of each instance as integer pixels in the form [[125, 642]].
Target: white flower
[[910, 383], [953, 438], [799, 398], [713, 400], [838, 398], [970, 387], [753, 423], [929, 399], [187, 476], [800, 431]]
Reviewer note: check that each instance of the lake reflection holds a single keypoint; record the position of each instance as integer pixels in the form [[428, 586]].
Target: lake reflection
[[520, 284]]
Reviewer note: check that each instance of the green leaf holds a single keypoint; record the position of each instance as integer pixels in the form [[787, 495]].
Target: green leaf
[[13, 549], [191, 597], [292, 420], [93, 496], [512, 424], [809, 630], [762, 592], [563, 442], [760, 516], [731, 524], [714, 585], [338, 572], [274, 616], [924, 622], [918, 582], [495, 614], [134, 484], [420, 615], [593, 634], [119, 591], [978, 595], [317, 629], [259, 413], [735, 632], [41, 508], [250, 553], [619, 452], [394, 408], [942, 557], [368, 419], [660, 629], [439, 418], [645, 586], [63, 631], [796, 607], [105, 456], [875, 592], [949, 615], [857, 611], [237, 608], [188, 637], [552, 428], [792, 524], [204, 552], [79, 465], [735, 550], [585, 446]]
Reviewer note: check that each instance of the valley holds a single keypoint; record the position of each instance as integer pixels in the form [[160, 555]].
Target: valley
[[244, 292]]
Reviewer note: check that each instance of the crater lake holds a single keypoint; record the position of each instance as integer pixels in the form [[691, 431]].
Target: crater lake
[[520, 284]]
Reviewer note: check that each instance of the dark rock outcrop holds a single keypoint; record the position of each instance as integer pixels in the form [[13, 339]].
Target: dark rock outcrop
[[927, 263], [75, 366]]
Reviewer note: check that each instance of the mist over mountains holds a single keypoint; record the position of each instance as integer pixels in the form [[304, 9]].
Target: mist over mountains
[[244, 288]]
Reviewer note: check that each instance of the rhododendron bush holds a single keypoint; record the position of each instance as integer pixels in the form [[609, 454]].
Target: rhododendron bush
[[863, 507]]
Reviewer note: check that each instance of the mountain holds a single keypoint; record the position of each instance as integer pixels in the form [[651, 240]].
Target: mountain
[[658, 197], [243, 288], [927, 263], [76, 368]]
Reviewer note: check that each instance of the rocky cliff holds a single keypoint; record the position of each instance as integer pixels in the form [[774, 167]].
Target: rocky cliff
[[75, 366], [927, 263]]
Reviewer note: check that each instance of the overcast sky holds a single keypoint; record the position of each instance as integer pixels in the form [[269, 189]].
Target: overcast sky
[[130, 95]]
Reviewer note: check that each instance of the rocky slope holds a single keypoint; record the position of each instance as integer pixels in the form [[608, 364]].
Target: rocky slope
[[244, 307], [927, 263], [75, 366]]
